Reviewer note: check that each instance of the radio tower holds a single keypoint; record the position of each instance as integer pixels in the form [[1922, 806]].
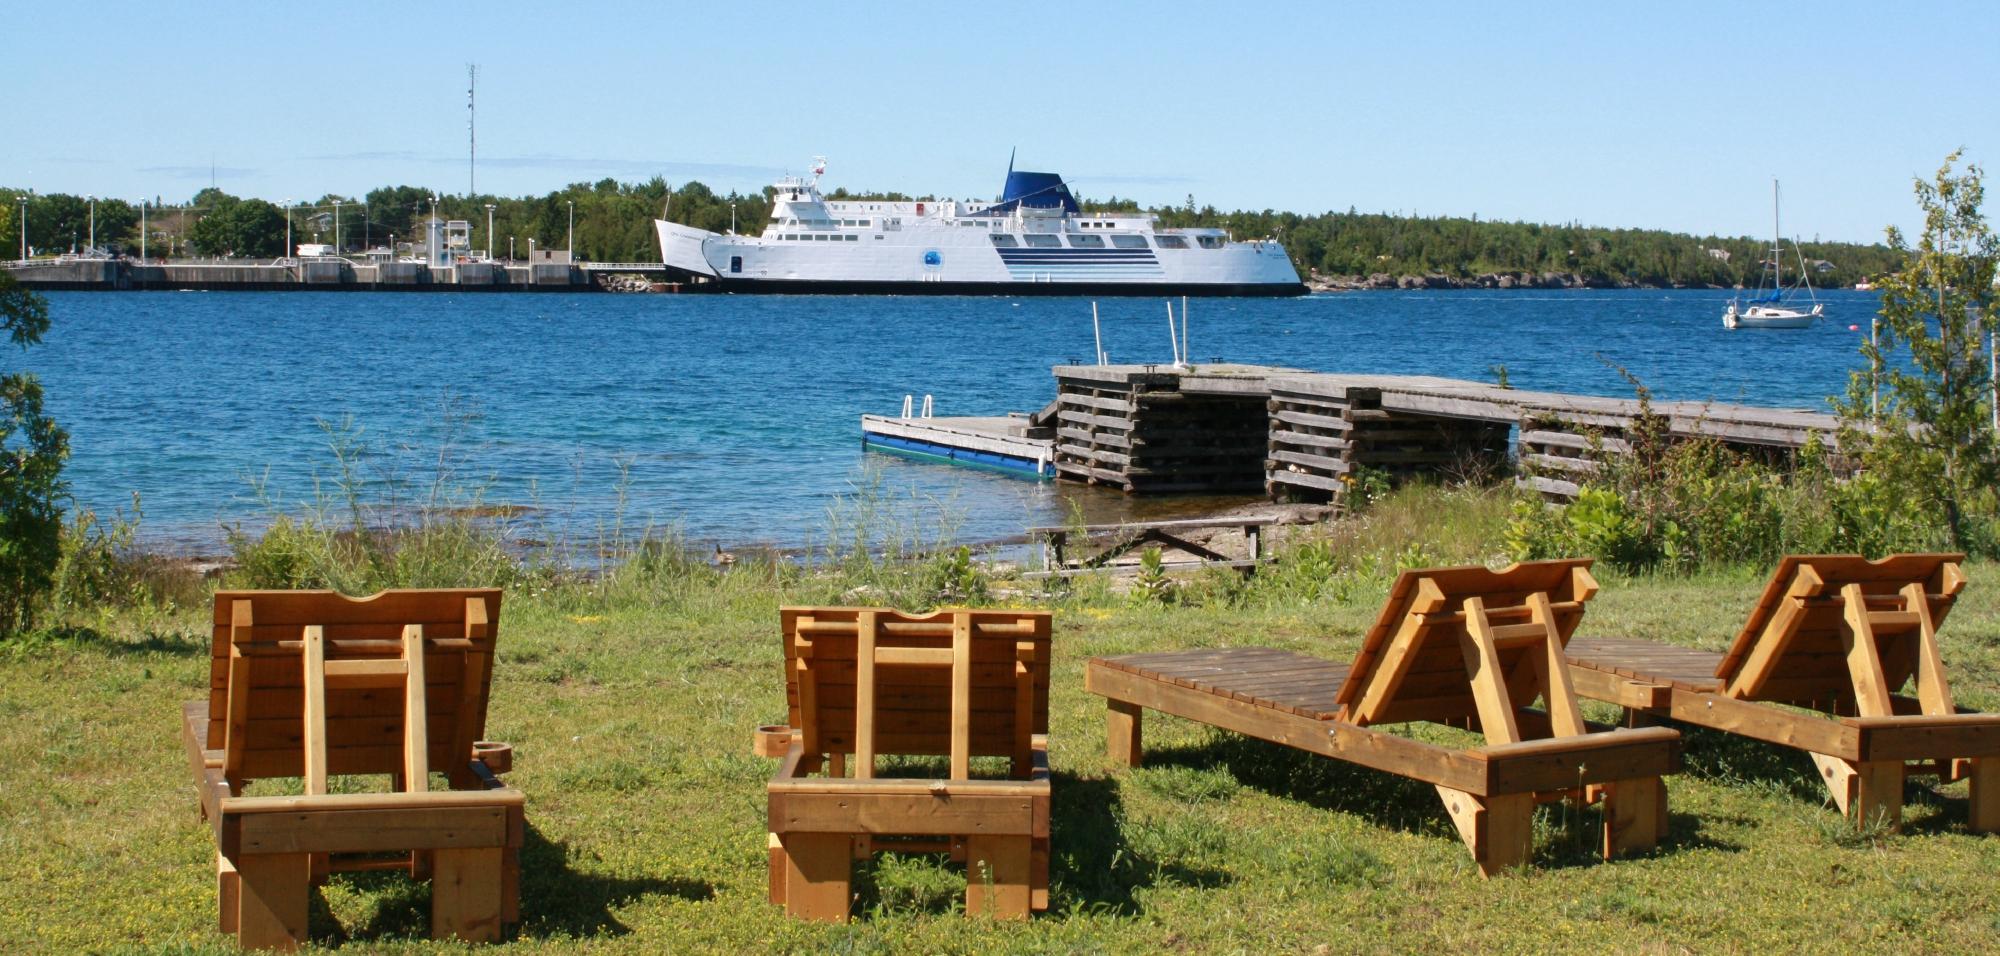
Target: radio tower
[[471, 130]]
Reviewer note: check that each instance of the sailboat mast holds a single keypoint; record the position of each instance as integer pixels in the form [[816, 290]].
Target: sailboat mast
[[1777, 258]]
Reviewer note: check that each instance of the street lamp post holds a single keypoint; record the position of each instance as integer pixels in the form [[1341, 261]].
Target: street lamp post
[[572, 230], [510, 250], [337, 248], [288, 227], [93, 227], [142, 229], [732, 219], [489, 230], [24, 228]]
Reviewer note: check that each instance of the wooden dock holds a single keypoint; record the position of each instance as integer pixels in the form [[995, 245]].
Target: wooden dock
[[1298, 434]]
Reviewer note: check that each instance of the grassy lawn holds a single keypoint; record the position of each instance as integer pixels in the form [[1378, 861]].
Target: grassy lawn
[[631, 720]]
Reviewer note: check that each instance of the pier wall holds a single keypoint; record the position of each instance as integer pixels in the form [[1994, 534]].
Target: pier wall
[[323, 275], [1308, 435]]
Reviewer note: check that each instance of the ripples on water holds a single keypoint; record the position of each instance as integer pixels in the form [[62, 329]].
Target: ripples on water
[[736, 417]]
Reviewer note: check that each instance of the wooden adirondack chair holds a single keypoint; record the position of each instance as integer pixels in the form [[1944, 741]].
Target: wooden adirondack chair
[[314, 684], [1467, 647], [1840, 635], [866, 683]]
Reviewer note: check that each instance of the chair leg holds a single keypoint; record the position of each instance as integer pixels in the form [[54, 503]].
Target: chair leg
[[271, 900], [1866, 792], [228, 893], [1497, 829], [1879, 793], [776, 869], [998, 875], [1984, 814], [1038, 883], [1122, 726], [818, 869], [1632, 814], [465, 894]]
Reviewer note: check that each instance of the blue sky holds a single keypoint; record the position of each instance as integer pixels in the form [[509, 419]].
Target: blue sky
[[1673, 117]]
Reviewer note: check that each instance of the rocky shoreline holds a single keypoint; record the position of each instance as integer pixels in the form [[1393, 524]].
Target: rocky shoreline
[[1491, 280]]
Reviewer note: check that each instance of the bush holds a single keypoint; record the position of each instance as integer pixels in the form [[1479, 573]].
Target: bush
[[32, 451]]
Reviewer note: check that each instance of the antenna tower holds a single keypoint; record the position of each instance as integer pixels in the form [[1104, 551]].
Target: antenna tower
[[471, 130]]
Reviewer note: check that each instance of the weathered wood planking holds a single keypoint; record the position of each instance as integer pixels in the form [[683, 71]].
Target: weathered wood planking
[[1461, 646], [1840, 635], [314, 684], [871, 682]]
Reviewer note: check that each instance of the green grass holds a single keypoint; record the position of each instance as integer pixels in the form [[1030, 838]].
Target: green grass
[[631, 708]]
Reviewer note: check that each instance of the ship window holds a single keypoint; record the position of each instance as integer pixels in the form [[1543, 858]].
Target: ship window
[[1209, 242], [851, 237], [864, 222], [1041, 241], [1128, 240], [736, 263], [1171, 242], [1087, 242], [1003, 241]]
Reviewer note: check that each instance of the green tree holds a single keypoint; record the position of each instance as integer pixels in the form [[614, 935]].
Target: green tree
[[32, 451], [1926, 385]]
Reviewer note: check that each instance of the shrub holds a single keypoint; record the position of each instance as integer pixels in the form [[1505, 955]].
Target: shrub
[[32, 451]]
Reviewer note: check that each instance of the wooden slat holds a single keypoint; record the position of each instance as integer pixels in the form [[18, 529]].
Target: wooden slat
[[961, 698], [866, 656], [416, 715], [315, 706]]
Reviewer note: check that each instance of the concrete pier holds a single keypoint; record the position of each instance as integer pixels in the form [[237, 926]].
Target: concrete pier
[[322, 275]]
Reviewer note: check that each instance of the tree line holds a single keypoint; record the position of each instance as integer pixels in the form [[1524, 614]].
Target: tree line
[[613, 222]]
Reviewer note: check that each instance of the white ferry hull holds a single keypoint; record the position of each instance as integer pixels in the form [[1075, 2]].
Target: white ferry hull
[[1036, 241], [963, 262]]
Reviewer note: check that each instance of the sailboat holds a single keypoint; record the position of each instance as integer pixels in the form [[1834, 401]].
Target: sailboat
[[1774, 309]]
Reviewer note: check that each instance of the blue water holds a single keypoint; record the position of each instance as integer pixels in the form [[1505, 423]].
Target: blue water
[[736, 417]]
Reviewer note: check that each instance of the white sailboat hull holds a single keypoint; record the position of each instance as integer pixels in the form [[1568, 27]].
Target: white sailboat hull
[[1766, 317]]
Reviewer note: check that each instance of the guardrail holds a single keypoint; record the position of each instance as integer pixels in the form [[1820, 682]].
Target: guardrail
[[624, 266]]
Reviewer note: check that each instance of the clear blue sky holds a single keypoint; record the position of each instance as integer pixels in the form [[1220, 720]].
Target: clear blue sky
[[1676, 117]]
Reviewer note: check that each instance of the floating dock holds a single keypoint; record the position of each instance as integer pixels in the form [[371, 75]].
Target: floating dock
[[1304, 435], [1008, 443]]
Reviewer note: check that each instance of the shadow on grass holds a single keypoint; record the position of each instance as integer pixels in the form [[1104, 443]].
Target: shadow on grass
[[1731, 759], [1566, 836], [1092, 866], [1401, 803], [154, 642], [556, 900]]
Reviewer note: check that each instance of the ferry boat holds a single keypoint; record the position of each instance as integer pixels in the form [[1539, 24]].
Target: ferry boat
[[1034, 240]]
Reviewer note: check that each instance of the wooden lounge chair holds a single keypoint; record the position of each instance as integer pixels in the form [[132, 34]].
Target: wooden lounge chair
[[871, 683], [1841, 636], [1468, 647], [312, 684]]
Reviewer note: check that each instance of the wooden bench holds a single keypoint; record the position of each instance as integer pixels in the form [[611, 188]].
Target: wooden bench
[[1127, 537], [864, 683], [314, 684], [1467, 647], [1819, 666]]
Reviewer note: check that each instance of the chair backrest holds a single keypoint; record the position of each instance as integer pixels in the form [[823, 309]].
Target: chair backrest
[[956, 683], [1799, 644], [1469, 643], [257, 695]]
